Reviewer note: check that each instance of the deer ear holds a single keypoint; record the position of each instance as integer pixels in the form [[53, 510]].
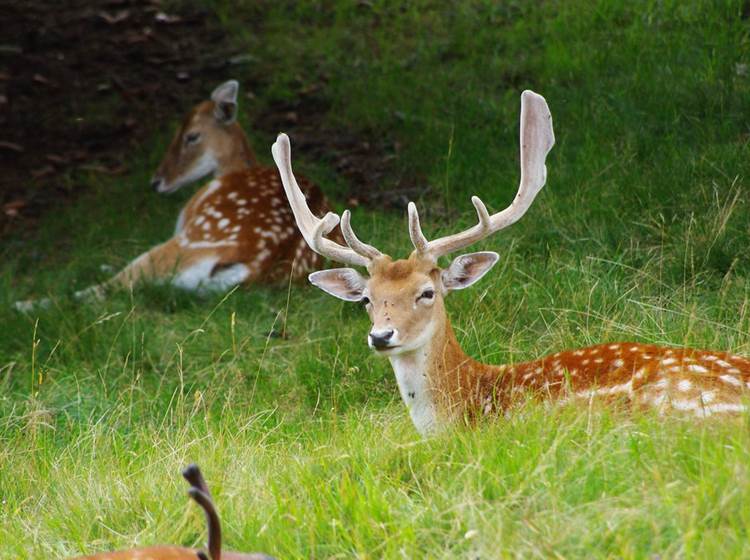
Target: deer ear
[[467, 269], [225, 102], [343, 283]]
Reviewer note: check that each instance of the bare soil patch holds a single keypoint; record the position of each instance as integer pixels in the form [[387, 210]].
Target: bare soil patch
[[83, 83]]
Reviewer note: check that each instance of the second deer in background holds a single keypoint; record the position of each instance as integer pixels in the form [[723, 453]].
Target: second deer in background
[[236, 229]]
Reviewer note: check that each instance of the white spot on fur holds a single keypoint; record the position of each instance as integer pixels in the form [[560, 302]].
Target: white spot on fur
[[622, 388], [731, 380], [684, 405], [696, 368], [684, 385], [725, 407], [210, 244]]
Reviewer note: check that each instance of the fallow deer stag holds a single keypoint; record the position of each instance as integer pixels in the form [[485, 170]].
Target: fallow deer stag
[[236, 229], [199, 492], [438, 382]]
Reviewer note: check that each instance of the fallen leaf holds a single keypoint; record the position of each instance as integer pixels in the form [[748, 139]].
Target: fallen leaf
[[162, 17], [117, 17], [42, 171], [60, 160], [12, 146]]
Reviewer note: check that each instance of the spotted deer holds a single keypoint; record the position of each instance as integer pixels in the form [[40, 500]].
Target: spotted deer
[[199, 492], [438, 382], [236, 229]]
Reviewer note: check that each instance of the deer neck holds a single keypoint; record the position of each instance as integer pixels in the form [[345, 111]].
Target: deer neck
[[439, 383], [239, 155]]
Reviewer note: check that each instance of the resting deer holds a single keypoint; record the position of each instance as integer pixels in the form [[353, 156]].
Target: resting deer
[[438, 382], [236, 229], [199, 492]]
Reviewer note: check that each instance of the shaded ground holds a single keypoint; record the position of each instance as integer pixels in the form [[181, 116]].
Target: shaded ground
[[82, 83], [366, 161]]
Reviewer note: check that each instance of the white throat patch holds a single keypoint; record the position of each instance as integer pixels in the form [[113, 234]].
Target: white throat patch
[[414, 386]]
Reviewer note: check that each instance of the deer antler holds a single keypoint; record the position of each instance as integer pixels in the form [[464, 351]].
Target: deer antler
[[314, 229], [199, 492], [537, 139]]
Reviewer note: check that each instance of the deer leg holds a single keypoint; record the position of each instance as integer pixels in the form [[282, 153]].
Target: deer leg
[[200, 269], [157, 264], [193, 269]]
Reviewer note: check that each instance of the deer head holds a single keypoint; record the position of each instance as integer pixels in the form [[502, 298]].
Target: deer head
[[404, 298], [209, 142]]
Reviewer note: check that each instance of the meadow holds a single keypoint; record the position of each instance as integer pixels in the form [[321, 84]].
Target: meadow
[[640, 234]]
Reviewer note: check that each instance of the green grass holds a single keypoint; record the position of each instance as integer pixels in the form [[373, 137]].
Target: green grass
[[641, 233]]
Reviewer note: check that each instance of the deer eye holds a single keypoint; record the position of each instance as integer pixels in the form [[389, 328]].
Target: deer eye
[[192, 138], [427, 294], [365, 301]]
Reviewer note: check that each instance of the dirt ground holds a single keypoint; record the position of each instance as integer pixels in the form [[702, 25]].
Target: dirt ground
[[82, 83]]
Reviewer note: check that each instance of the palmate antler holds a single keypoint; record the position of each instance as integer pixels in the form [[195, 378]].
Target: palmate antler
[[537, 139]]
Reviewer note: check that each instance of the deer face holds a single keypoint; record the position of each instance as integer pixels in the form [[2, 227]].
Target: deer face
[[404, 298], [208, 133]]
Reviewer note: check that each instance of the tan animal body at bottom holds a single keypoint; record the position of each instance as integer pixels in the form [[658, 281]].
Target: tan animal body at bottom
[[199, 492], [167, 553]]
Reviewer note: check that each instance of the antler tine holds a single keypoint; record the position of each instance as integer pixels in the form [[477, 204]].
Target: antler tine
[[192, 473], [415, 230], [312, 228], [537, 139], [353, 241]]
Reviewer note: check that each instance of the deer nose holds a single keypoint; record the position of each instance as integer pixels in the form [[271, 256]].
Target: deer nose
[[156, 183], [380, 339]]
